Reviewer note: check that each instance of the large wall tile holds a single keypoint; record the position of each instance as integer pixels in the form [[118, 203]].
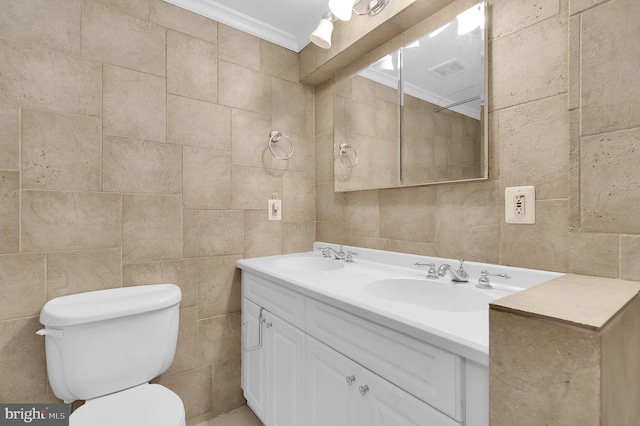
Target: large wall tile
[[629, 255], [292, 107], [252, 187], [219, 286], [134, 104], [298, 197], [137, 8], [120, 39], [183, 20], [60, 151], [604, 202], [509, 16], [58, 23], [197, 123], [219, 338], [70, 220], [534, 147], [22, 285], [594, 254], [187, 347], [22, 369], [414, 208], [80, 271], [191, 67], [194, 389], [9, 212], [9, 137], [298, 237], [182, 273], [363, 213], [262, 237], [609, 50], [226, 397], [213, 232], [130, 165], [278, 61], [250, 135], [244, 88], [530, 64], [28, 71], [238, 47], [331, 206], [151, 228], [206, 179]]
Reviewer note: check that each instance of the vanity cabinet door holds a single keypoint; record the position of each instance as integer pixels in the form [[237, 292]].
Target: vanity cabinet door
[[254, 359], [331, 383], [285, 372]]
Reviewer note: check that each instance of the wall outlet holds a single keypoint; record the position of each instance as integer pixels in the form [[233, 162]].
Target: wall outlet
[[520, 204], [275, 210]]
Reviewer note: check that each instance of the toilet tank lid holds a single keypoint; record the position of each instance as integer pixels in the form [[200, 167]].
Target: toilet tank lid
[[102, 305]]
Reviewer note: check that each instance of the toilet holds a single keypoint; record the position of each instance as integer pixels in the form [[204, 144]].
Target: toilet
[[105, 346]]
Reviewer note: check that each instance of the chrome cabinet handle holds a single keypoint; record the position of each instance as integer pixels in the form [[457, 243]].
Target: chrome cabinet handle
[[364, 389], [351, 379]]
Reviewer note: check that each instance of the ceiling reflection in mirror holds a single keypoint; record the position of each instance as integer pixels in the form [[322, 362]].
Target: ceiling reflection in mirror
[[417, 116]]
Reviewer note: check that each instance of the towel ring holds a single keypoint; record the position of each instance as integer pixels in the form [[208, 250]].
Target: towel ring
[[344, 147], [274, 137]]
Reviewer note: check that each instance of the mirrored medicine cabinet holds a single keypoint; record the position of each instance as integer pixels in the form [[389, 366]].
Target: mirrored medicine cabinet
[[417, 116]]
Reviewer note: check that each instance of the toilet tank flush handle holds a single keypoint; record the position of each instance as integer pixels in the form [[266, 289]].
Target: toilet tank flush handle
[[50, 332]]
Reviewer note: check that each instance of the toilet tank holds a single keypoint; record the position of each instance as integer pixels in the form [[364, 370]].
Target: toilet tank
[[105, 341]]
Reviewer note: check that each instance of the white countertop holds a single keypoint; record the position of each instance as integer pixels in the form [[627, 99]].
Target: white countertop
[[463, 333]]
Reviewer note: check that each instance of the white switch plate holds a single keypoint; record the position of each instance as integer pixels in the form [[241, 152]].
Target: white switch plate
[[520, 204], [275, 210]]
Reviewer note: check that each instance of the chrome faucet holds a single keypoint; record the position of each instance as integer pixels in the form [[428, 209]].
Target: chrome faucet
[[458, 275], [338, 255]]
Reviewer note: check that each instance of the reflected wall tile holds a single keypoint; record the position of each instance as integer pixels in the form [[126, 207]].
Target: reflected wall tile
[[219, 285], [278, 61], [130, 165], [134, 105], [298, 237], [70, 220], [238, 47], [226, 393], [10, 212], [262, 237], [60, 151], [194, 389], [206, 179], [22, 369], [197, 123], [219, 338], [299, 197], [543, 245], [182, 20], [182, 273], [250, 135], [244, 88], [191, 67], [252, 187], [212, 232], [604, 203], [534, 147], [151, 228], [111, 36], [80, 271], [58, 23], [22, 285], [594, 254], [629, 255], [29, 70], [9, 137], [530, 64]]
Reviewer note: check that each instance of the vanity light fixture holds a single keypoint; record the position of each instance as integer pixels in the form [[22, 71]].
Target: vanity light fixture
[[341, 10]]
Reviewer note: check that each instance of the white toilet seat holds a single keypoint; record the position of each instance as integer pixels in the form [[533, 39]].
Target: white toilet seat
[[143, 405]]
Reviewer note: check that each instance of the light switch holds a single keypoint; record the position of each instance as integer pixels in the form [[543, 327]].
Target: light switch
[[520, 204]]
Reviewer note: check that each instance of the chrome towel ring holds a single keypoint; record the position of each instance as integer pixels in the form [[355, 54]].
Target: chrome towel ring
[[274, 137], [344, 147]]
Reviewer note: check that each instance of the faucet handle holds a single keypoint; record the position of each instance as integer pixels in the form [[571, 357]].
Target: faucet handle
[[461, 263], [431, 273], [349, 256], [483, 281]]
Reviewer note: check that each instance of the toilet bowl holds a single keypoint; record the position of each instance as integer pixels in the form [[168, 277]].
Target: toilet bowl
[[105, 346]]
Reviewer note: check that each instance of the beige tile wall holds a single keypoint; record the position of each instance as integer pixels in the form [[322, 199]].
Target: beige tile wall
[[133, 150], [545, 61]]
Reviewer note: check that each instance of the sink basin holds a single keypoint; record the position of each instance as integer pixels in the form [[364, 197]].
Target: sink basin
[[436, 296], [308, 263]]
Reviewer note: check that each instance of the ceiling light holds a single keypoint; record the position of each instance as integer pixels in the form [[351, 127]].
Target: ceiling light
[[342, 8], [469, 20], [321, 36]]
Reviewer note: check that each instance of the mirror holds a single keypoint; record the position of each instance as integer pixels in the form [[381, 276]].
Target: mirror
[[418, 116]]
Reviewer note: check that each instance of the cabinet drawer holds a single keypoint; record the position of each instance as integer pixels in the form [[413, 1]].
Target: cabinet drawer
[[427, 372], [278, 300]]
